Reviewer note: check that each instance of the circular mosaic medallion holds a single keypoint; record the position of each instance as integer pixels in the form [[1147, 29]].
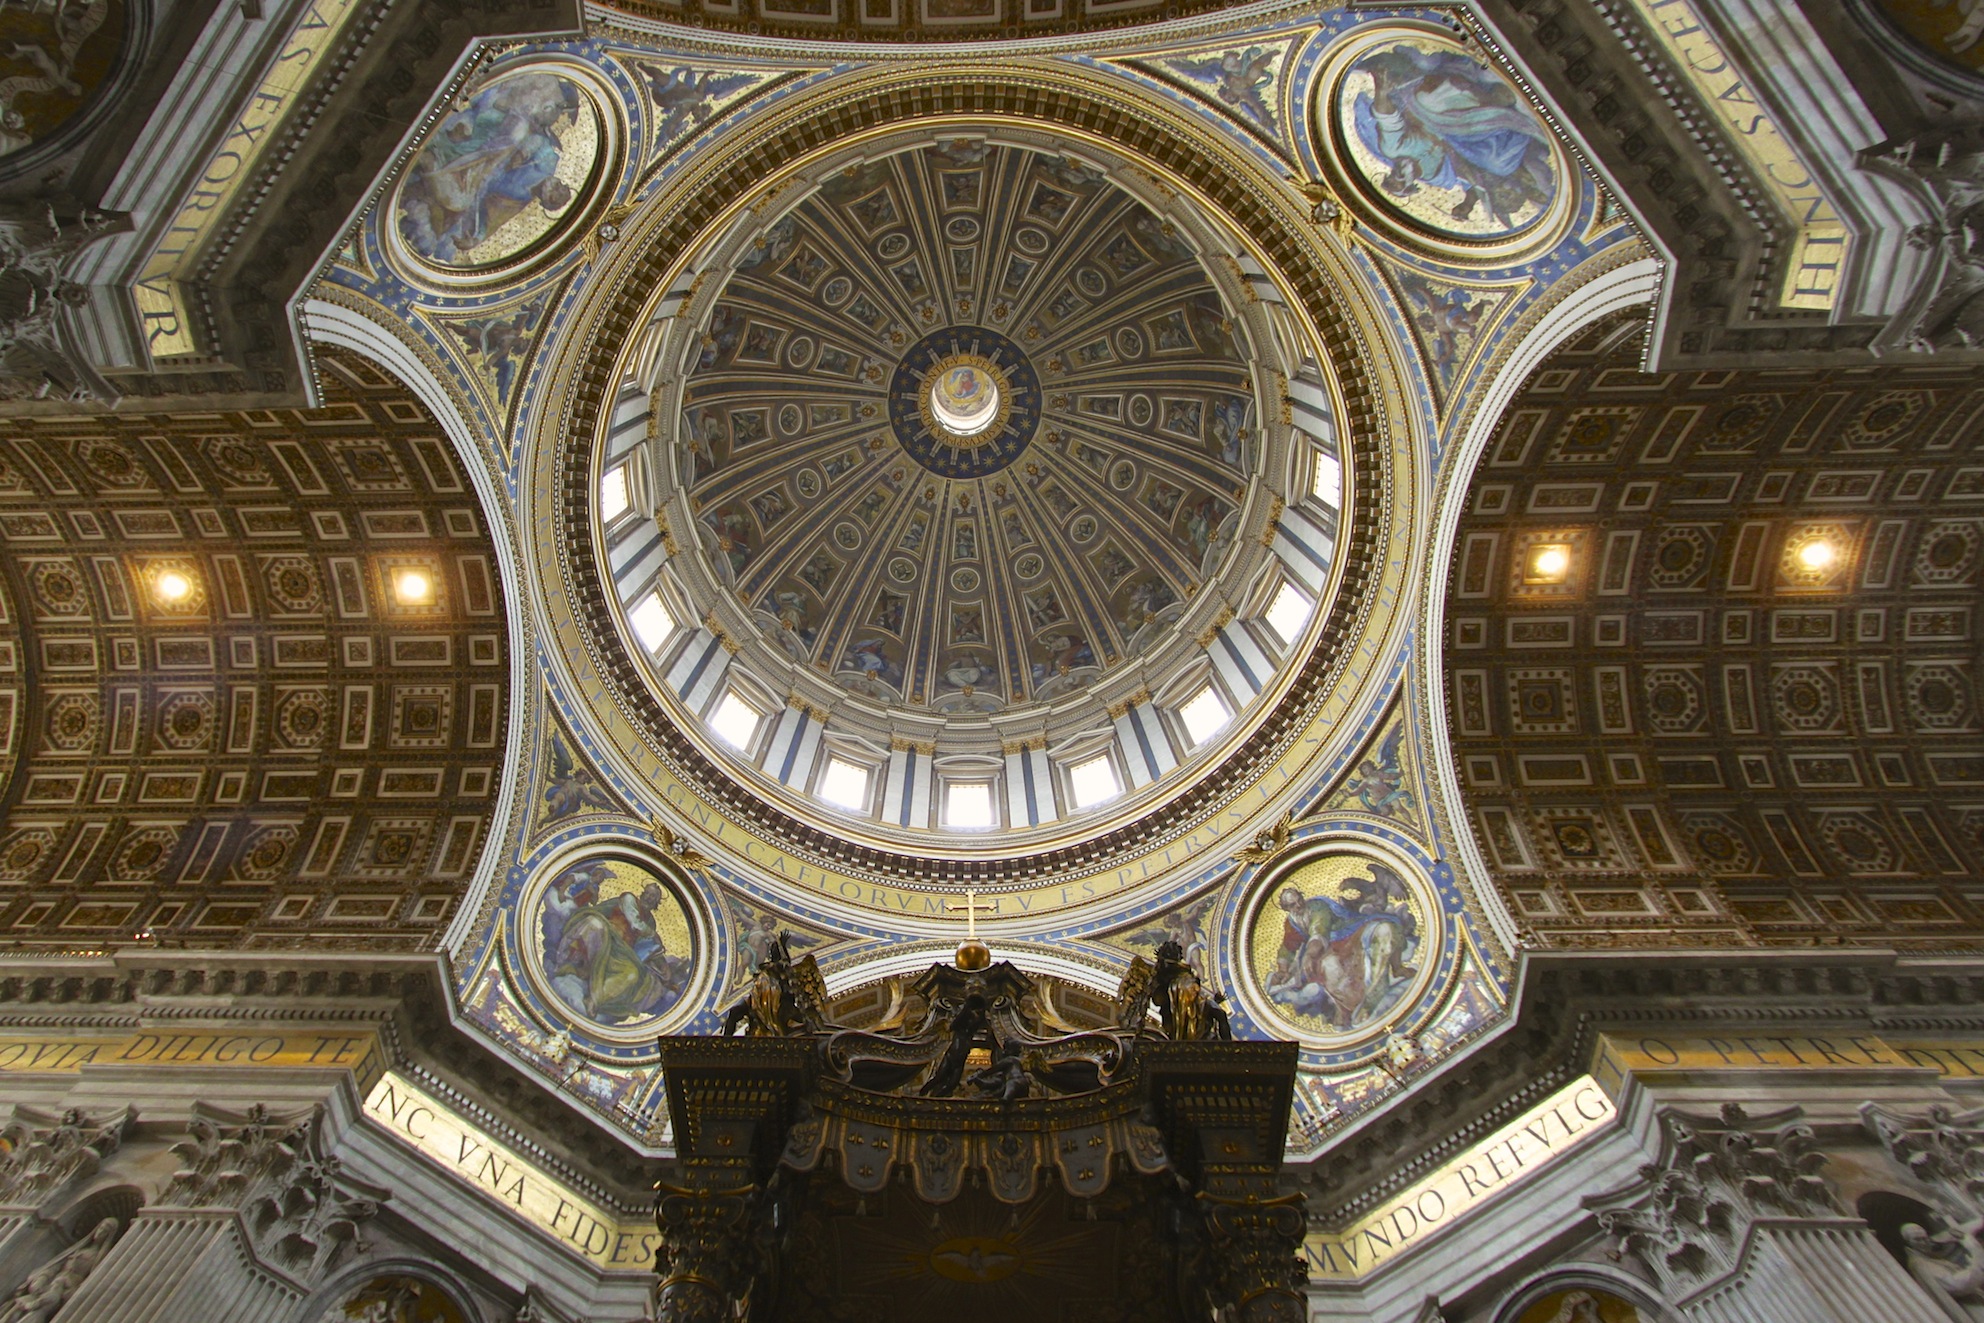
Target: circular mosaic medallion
[[396, 1297], [612, 942], [1338, 942], [1584, 1305], [502, 173], [1441, 141], [1948, 32], [964, 402]]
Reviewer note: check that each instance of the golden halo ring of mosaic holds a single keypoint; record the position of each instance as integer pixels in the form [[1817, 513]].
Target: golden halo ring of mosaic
[[1437, 149], [1340, 940], [507, 177], [616, 943], [1365, 385]]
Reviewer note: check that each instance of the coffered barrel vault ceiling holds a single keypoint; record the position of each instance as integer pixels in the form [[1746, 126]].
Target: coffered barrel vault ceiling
[[254, 674], [1748, 713]]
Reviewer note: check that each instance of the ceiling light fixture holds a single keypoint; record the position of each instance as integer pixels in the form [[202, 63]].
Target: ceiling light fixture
[[413, 587], [1818, 554], [1550, 563], [172, 587]]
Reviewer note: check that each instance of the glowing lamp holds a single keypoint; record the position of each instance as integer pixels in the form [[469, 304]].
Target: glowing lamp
[[1549, 563], [413, 587]]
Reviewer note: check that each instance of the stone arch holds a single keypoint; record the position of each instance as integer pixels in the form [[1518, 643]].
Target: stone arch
[[331, 324], [1614, 1296], [1888, 1211], [1632, 285], [432, 1290], [112, 1199]]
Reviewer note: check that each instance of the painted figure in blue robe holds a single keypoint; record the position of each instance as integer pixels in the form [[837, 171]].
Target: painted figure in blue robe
[[870, 658], [604, 956], [1441, 119], [490, 161], [1344, 960]]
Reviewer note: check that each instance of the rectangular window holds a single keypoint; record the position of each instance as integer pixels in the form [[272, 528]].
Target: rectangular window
[[613, 494], [1094, 781], [968, 805], [735, 721], [1288, 613], [845, 783], [1326, 483], [1204, 716], [653, 625]]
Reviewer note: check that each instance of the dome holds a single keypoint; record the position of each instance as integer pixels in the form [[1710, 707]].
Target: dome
[[884, 479], [976, 452]]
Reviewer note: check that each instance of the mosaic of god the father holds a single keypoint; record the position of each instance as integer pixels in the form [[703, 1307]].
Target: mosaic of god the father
[[1343, 958], [607, 928]]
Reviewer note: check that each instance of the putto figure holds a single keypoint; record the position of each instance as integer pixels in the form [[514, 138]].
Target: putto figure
[[49, 1287]]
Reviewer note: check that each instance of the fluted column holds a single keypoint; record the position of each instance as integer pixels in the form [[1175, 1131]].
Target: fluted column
[[25, 1240], [1737, 1225], [177, 1264], [1814, 1272], [253, 1220]]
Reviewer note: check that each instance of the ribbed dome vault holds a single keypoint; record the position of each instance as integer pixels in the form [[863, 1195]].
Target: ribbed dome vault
[[922, 566], [956, 441]]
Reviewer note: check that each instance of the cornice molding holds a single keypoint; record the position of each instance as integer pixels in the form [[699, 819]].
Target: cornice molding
[[407, 999]]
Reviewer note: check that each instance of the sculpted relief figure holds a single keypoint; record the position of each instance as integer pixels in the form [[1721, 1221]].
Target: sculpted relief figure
[[1945, 165], [34, 247], [1944, 1150], [49, 1287], [784, 997], [1943, 1261], [1189, 1010]]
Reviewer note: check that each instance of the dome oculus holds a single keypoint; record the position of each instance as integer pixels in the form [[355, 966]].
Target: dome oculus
[[964, 397], [964, 402]]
